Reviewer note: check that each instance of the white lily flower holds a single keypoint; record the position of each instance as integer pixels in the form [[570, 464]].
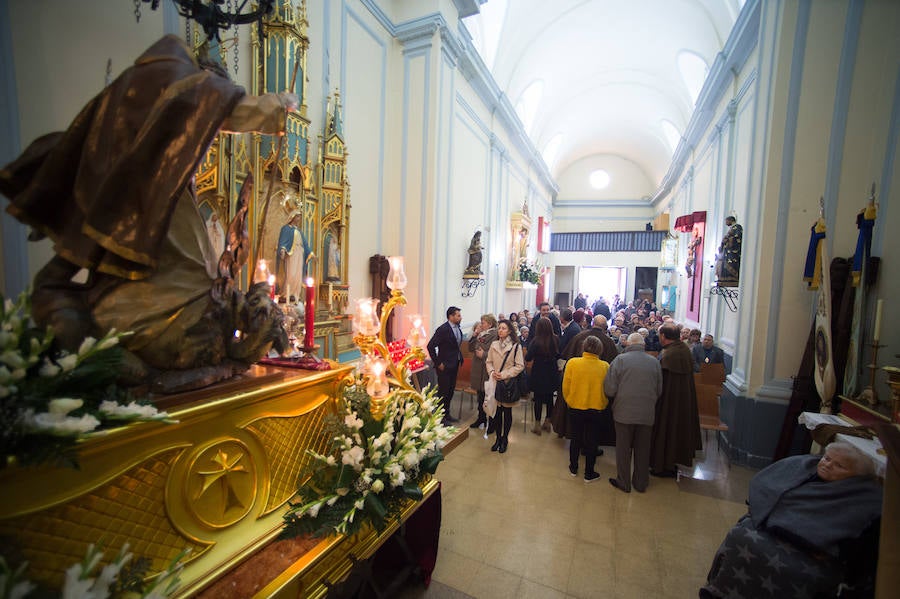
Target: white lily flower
[[12, 359], [377, 486], [352, 422], [354, 457], [313, 510], [63, 405], [68, 362], [359, 504], [111, 340], [86, 346], [18, 374]]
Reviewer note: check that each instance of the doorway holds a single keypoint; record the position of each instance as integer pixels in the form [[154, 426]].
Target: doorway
[[601, 281]]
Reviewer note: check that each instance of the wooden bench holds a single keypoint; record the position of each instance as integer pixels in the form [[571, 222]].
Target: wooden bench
[[708, 405]]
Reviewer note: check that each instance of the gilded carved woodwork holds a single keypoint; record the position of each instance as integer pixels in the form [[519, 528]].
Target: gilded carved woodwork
[[214, 482]]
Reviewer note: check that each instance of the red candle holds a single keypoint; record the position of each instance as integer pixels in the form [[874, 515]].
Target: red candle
[[310, 313], [272, 287]]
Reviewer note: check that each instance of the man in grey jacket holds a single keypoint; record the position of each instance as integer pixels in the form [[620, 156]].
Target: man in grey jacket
[[633, 385]]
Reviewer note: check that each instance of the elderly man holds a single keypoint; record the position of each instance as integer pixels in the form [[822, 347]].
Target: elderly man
[[635, 382], [707, 353], [676, 428]]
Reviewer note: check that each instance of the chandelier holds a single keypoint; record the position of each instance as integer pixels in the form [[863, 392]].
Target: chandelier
[[211, 15]]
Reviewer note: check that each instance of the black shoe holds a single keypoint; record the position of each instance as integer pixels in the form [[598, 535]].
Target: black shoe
[[477, 424], [446, 422], [599, 452], [664, 473], [615, 482], [590, 477], [496, 445], [573, 470], [503, 445]]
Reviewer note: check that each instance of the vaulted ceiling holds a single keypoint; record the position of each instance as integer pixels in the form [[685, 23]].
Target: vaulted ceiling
[[603, 76]]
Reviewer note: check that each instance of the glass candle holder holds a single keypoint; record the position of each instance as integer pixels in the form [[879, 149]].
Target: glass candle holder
[[396, 277], [366, 320], [417, 337], [261, 274]]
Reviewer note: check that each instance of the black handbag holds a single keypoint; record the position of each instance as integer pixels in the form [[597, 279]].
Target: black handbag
[[510, 390]]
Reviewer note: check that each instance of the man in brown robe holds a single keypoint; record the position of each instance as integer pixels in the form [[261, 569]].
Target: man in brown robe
[[676, 429]]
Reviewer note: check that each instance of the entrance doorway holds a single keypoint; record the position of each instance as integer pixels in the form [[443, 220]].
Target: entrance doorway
[[602, 281]]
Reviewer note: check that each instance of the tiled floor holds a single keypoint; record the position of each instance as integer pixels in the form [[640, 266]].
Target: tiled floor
[[518, 525]]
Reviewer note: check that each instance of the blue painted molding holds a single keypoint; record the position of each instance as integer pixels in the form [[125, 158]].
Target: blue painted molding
[[787, 174], [15, 250], [741, 42], [467, 109], [839, 115], [887, 169]]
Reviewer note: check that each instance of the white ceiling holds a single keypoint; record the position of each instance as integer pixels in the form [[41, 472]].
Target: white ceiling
[[609, 70]]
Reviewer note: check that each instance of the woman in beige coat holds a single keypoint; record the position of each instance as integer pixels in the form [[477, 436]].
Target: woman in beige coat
[[505, 360]]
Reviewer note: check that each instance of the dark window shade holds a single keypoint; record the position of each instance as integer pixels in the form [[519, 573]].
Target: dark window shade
[[608, 241]]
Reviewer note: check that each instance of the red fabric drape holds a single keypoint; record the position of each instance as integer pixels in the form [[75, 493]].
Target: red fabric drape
[[685, 224]]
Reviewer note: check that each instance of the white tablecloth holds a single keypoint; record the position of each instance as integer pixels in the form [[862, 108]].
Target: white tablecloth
[[870, 447]]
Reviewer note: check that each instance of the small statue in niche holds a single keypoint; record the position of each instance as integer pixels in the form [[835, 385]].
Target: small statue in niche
[[475, 256], [332, 257], [728, 259], [691, 262]]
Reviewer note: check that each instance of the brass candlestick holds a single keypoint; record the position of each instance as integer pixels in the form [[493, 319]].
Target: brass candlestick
[[869, 395]]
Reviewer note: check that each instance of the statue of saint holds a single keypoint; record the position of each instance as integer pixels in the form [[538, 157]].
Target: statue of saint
[[728, 259], [216, 234], [475, 256], [291, 255], [115, 194], [333, 257]]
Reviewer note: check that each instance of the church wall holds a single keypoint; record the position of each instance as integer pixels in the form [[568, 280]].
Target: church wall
[[819, 120]]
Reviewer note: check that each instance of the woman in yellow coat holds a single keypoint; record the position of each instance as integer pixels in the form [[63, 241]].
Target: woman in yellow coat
[[505, 360], [583, 390]]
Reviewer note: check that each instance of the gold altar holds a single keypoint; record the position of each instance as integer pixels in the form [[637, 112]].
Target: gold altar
[[215, 482]]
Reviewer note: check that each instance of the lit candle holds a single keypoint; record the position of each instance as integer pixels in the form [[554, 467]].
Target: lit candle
[[272, 286], [330, 291], [310, 313], [377, 386], [367, 322], [396, 277], [877, 331], [261, 274], [417, 335]]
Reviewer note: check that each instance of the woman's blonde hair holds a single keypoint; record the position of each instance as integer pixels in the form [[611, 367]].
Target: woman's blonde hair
[[490, 319]]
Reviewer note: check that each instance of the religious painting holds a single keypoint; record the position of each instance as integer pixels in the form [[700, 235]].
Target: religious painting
[[669, 253], [693, 224]]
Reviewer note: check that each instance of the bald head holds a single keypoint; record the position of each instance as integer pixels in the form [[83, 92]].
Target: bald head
[[600, 322]]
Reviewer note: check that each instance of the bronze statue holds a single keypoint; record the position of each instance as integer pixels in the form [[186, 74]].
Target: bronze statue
[[728, 258], [475, 255], [114, 192]]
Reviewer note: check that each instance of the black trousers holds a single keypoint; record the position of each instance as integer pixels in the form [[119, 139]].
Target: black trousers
[[585, 437], [539, 400], [446, 386]]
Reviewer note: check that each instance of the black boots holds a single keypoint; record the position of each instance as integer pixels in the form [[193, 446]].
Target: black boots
[[503, 444], [497, 444]]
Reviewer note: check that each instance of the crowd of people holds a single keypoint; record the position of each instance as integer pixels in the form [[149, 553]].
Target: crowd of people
[[622, 375]]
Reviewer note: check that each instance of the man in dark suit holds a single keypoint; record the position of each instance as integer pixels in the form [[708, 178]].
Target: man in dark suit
[[546, 313], [707, 353], [569, 328], [447, 357]]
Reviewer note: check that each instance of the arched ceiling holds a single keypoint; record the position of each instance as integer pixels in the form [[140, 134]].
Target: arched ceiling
[[610, 70]]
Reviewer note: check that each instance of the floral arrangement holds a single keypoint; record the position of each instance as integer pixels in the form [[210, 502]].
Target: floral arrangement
[[121, 577], [49, 398], [530, 272], [374, 466]]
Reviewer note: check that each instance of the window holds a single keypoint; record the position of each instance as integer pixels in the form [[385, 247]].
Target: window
[[693, 72], [551, 150], [671, 133], [527, 105], [599, 179]]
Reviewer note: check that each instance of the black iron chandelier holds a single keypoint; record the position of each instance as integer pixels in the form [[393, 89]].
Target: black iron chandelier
[[215, 15]]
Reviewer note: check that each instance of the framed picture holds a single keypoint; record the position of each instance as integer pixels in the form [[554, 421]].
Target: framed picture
[[668, 257]]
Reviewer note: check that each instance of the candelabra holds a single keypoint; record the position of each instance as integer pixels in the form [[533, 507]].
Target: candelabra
[[382, 375], [868, 394]]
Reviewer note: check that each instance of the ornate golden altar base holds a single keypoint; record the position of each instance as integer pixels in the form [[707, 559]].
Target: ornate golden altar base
[[215, 482]]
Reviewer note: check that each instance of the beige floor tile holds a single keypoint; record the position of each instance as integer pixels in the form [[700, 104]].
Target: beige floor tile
[[592, 569], [529, 589], [489, 582], [453, 567]]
